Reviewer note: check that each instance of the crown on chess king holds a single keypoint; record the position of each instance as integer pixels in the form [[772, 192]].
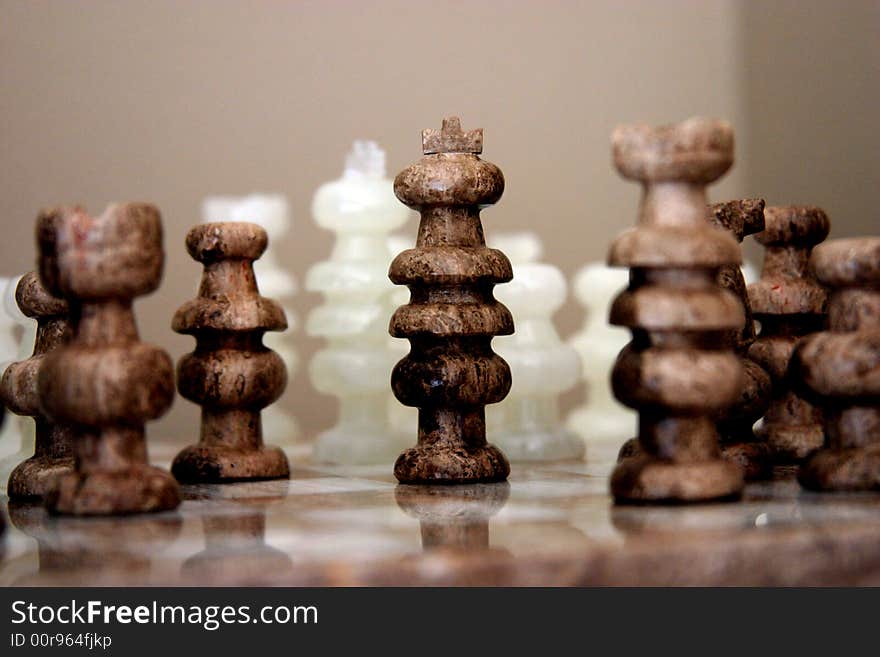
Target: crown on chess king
[[452, 139]]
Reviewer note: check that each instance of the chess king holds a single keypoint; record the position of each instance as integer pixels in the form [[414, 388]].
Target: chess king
[[451, 372]]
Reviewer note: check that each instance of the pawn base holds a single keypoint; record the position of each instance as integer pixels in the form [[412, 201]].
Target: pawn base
[[558, 445], [754, 458], [138, 489], [793, 444], [198, 464], [343, 447], [646, 480], [842, 470], [33, 478], [448, 463]]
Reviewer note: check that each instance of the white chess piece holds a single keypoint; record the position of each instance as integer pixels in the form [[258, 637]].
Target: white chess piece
[[271, 211], [355, 366], [526, 424], [18, 434], [602, 417]]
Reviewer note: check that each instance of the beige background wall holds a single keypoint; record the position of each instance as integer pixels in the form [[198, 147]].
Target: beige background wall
[[168, 101]]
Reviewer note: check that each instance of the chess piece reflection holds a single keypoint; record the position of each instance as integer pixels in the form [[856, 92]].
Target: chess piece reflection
[[451, 372], [53, 448], [105, 383], [231, 374], [789, 304], [840, 368], [355, 365], [676, 371], [95, 551], [271, 211], [235, 541], [453, 518], [601, 418], [526, 425]]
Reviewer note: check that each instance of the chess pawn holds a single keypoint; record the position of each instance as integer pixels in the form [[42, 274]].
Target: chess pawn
[[17, 336], [789, 304], [451, 372], [231, 374], [839, 369], [526, 425], [738, 441], [53, 449], [356, 363], [105, 382], [676, 371], [601, 418], [271, 211]]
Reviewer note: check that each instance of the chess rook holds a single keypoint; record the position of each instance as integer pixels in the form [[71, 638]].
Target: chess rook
[[231, 374], [677, 371], [840, 368], [526, 425], [739, 443], [53, 446], [105, 383], [789, 304], [451, 372], [355, 364]]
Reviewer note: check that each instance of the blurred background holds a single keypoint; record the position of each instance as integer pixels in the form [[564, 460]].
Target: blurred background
[[170, 100]]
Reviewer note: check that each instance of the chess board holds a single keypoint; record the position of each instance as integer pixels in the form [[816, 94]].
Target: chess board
[[552, 524]]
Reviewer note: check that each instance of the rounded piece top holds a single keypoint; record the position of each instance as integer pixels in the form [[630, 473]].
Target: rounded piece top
[[697, 150], [227, 240], [801, 225], [851, 262]]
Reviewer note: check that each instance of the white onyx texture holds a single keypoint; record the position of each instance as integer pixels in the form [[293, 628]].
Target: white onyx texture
[[17, 335], [601, 417], [355, 365], [272, 212], [526, 425]]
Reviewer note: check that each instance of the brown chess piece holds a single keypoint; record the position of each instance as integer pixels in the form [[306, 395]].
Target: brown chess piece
[[739, 443], [451, 372], [677, 371], [105, 383], [53, 447], [789, 304], [231, 374], [840, 368]]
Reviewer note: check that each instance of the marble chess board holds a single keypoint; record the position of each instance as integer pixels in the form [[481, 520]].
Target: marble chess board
[[551, 524]]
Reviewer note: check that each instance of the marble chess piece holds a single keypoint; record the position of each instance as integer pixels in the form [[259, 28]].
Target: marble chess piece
[[839, 368], [231, 374], [526, 425], [355, 365], [677, 371], [451, 372], [105, 383], [601, 418], [17, 336], [272, 212]]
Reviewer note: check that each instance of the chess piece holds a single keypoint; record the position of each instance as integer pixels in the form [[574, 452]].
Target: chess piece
[[676, 371], [526, 425], [271, 211], [738, 441], [451, 373], [356, 363], [601, 418], [53, 449], [788, 303], [17, 336], [105, 383], [231, 374], [840, 368]]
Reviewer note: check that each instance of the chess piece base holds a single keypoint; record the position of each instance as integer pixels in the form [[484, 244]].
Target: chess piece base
[[445, 463], [218, 463], [842, 470], [346, 446], [645, 480], [33, 478], [137, 489], [792, 444], [553, 445]]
